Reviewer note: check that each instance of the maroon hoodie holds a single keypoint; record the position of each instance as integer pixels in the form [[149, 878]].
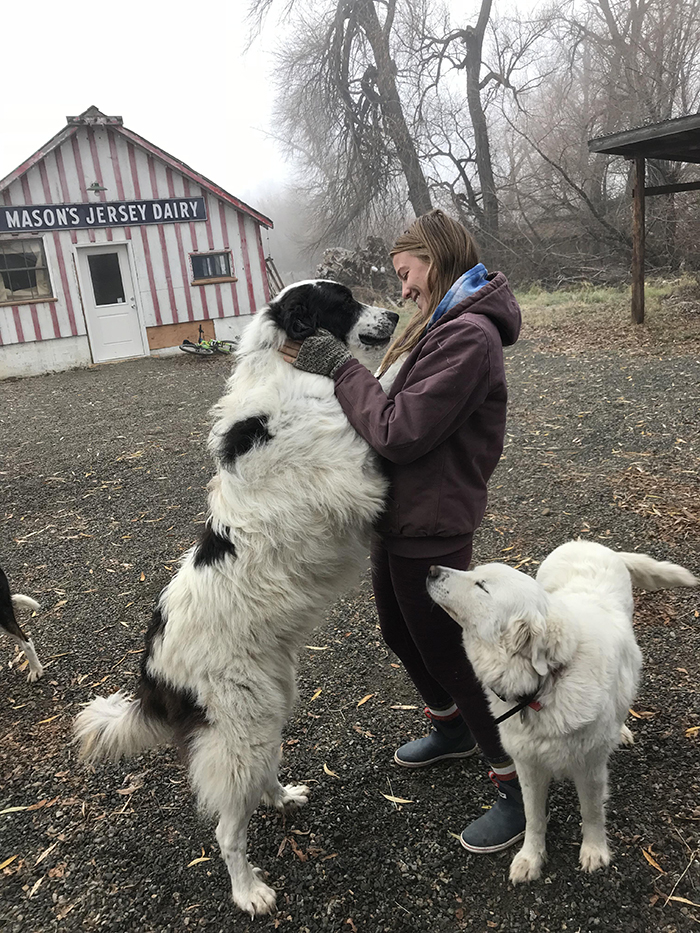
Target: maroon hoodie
[[441, 426]]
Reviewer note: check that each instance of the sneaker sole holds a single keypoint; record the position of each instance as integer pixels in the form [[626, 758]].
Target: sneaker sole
[[432, 761], [485, 850]]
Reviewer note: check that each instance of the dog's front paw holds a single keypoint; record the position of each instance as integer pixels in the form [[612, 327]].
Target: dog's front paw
[[527, 866], [592, 857], [256, 897], [294, 796], [35, 674]]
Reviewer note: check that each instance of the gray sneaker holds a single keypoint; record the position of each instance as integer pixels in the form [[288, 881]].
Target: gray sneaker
[[501, 826], [445, 740]]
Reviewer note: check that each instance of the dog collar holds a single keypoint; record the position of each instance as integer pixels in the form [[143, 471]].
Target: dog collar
[[529, 700]]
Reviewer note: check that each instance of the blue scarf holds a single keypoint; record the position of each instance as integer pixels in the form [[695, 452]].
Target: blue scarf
[[472, 280]]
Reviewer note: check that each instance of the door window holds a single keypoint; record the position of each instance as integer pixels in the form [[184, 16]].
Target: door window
[[106, 278]]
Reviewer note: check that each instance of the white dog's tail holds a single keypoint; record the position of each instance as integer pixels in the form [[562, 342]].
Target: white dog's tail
[[116, 727], [653, 574], [19, 601]]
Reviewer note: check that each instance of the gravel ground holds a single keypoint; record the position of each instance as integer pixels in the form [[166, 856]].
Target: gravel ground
[[103, 486]]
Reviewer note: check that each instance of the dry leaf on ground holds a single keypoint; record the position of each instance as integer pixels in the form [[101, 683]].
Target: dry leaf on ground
[[642, 714], [652, 861]]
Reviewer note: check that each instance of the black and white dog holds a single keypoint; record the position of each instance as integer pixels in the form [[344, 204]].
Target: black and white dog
[[290, 509], [9, 624]]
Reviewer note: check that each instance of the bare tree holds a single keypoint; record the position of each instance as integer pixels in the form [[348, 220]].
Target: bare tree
[[392, 104], [612, 66], [340, 110]]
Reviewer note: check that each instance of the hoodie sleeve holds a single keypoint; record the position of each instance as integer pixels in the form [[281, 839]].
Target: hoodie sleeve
[[447, 383]]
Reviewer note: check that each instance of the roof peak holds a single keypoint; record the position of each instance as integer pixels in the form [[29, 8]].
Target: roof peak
[[93, 116]]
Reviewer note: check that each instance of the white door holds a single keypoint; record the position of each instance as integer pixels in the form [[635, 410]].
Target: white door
[[109, 301]]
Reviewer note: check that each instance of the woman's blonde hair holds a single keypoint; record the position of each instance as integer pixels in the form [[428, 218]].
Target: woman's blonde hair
[[449, 250]]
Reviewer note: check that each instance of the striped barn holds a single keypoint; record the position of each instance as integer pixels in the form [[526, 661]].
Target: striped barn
[[110, 248]]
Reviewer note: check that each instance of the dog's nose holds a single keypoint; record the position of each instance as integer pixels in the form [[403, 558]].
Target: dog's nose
[[434, 571], [393, 316]]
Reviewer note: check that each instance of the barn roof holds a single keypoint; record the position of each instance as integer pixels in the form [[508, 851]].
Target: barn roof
[[675, 140], [94, 117]]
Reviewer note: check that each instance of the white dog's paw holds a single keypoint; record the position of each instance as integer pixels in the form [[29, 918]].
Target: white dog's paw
[[35, 675], [289, 797], [527, 866], [626, 737], [294, 796], [256, 897], [592, 857]]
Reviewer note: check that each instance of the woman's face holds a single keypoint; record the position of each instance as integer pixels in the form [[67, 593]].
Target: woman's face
[[413, 273]]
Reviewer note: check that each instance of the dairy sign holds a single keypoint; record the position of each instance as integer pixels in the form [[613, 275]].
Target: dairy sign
[[26, 218]]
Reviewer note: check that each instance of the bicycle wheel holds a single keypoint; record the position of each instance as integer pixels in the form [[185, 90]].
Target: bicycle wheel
[[224, 346], [196, 349]]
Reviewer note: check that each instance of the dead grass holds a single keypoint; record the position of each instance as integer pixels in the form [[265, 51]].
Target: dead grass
[[589, 317]]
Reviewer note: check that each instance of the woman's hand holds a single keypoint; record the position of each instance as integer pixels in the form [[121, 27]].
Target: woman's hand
[[321, 353], [290, 350]]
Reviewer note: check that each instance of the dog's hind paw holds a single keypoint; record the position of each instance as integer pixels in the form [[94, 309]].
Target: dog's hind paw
[[255, 898], [35, 674], [526, 866], [289, 797], [295, 795], [626, 737], [592, 857]]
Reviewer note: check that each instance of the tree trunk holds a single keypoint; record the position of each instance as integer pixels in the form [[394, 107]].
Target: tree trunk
[[474, 38], [392, 111]]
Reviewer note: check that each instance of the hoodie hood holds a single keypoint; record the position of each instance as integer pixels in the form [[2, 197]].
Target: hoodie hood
[[496, 301]]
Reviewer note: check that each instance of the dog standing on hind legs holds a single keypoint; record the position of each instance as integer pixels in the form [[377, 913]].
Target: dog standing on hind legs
[[9, 624], [291, 507], [558, 654]]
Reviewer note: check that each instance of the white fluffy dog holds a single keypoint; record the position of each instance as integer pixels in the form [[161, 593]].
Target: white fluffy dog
[[561, 651], [291, 505]]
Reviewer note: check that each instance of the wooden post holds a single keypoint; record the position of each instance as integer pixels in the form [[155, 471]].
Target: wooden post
[[638, 242]]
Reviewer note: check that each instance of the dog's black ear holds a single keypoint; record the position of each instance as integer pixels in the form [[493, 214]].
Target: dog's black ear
[[296, 314]]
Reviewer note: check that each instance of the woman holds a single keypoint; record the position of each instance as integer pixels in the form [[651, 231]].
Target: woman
[[439, 424]]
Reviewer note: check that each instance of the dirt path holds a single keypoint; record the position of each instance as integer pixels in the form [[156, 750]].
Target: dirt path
[[103, 477]]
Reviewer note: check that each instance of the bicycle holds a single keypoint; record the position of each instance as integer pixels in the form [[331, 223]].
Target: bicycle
[[208, 346]]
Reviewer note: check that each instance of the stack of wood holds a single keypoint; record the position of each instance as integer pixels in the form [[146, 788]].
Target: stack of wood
[[366, 267]]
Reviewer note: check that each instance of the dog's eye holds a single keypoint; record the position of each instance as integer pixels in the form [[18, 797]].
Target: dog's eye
[[480, 585]]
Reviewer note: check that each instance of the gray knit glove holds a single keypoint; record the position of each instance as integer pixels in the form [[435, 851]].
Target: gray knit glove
[[322, 353]]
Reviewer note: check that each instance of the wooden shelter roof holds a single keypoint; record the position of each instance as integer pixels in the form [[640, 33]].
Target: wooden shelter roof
[[675, 140]]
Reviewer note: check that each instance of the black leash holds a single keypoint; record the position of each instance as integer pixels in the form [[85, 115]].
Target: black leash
[[516, 709]]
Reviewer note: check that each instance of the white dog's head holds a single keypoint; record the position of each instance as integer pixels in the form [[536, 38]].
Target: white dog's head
[[299, 310], [503, 615]]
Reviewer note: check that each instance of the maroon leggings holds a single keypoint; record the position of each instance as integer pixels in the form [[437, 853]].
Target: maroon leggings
[[429, 642]]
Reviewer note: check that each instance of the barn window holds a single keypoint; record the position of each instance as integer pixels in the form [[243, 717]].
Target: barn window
[[24, 275], [211, 267]]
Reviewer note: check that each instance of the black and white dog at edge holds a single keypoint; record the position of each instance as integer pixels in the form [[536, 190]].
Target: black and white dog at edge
[[291, 506]]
